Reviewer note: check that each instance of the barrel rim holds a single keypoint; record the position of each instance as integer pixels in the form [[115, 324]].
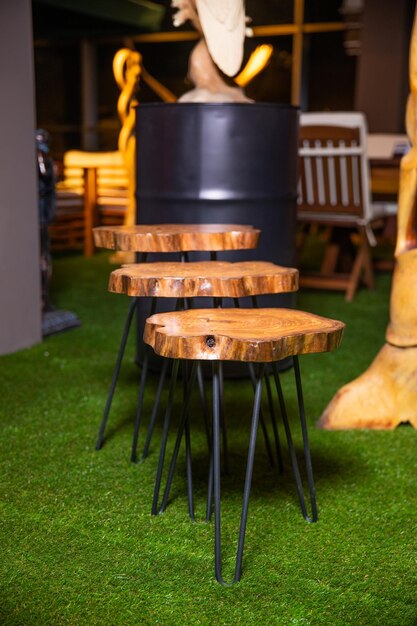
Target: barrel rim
[[214, 105]]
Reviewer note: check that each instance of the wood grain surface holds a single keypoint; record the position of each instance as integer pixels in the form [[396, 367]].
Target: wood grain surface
[[205, 278], [177, 237], [261, 335]]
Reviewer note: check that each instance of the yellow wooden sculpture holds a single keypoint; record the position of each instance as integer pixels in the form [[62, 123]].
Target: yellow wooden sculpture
[[127, 70], [386, 394]]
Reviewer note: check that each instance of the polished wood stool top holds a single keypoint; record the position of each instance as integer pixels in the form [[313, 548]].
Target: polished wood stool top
[[205, 278], [177, 237], [256, 335]]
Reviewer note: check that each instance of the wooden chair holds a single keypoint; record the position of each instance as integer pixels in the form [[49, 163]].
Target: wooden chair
[[94, 191], [334, 192]]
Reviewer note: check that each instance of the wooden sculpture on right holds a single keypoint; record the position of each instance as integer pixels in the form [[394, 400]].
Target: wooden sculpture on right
[[386, 394]]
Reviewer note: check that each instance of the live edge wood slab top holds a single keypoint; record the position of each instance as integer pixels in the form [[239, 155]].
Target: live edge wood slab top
[[177, 237], [257, 335], [205, 278]]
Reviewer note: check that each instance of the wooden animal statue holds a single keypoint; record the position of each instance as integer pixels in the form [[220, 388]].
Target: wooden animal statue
[[386, 394]]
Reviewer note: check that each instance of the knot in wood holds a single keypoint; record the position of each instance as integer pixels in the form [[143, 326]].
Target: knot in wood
[[210, 341]]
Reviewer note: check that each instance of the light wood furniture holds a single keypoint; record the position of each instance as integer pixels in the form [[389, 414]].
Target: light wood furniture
[[255, 336], [216, 279], [210, 279], [177, 237], [94, 191], [334, 192], [260, 335]]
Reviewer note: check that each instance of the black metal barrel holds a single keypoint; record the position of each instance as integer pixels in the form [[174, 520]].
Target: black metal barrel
[[221, 163]]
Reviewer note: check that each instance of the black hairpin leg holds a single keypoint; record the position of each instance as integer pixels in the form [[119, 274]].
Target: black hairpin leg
[[274, 422], [209, 505], [217, 304], [179, 305], [223, 422], [203, 399], [183, 426], [164, 438], [116, 372], [310, 480], [141, 394], [268, 448], [216, 472], [154, 415], [251, 369], [187, 390]]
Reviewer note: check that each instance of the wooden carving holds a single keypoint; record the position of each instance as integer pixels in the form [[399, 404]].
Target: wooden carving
[[257, 335], [127, 70], [177, 237], [205, 278], [386, 394], [222, 25]]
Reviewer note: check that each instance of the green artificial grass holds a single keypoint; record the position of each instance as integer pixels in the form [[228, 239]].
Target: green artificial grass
[[78, 544]]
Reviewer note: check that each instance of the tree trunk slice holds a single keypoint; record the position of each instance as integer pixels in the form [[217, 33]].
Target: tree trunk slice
[[177, 237], [206, 278], [260, 335]]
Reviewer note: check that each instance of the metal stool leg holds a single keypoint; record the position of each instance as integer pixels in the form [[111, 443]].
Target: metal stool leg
[[261, 419], [209, 505], [278, 448], [248, 478], [187, 390], [202, 392], [141, 394], [116, 372], [217, 304], [184, 425], [299, 485], [307, 456], [164, 439], [155, 408], [223, 422]]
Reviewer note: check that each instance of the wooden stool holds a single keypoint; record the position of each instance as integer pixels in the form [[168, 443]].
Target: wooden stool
[[214, 279], [147, 238], [257, 336], [157, 238]]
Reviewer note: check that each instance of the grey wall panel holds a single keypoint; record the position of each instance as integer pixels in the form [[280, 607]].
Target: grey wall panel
[[20, 298]]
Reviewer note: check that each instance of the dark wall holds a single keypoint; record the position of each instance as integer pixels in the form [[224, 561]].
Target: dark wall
[[382, 82]]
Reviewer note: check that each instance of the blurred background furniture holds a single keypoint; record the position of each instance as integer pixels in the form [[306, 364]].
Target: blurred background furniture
[[384, 152], [334, 192], [94, 191]]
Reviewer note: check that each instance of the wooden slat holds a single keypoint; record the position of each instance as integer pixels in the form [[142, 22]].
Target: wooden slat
[[330, 137]]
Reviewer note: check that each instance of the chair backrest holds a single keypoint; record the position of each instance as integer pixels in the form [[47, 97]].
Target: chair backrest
[[111, 179], [334, 172]]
